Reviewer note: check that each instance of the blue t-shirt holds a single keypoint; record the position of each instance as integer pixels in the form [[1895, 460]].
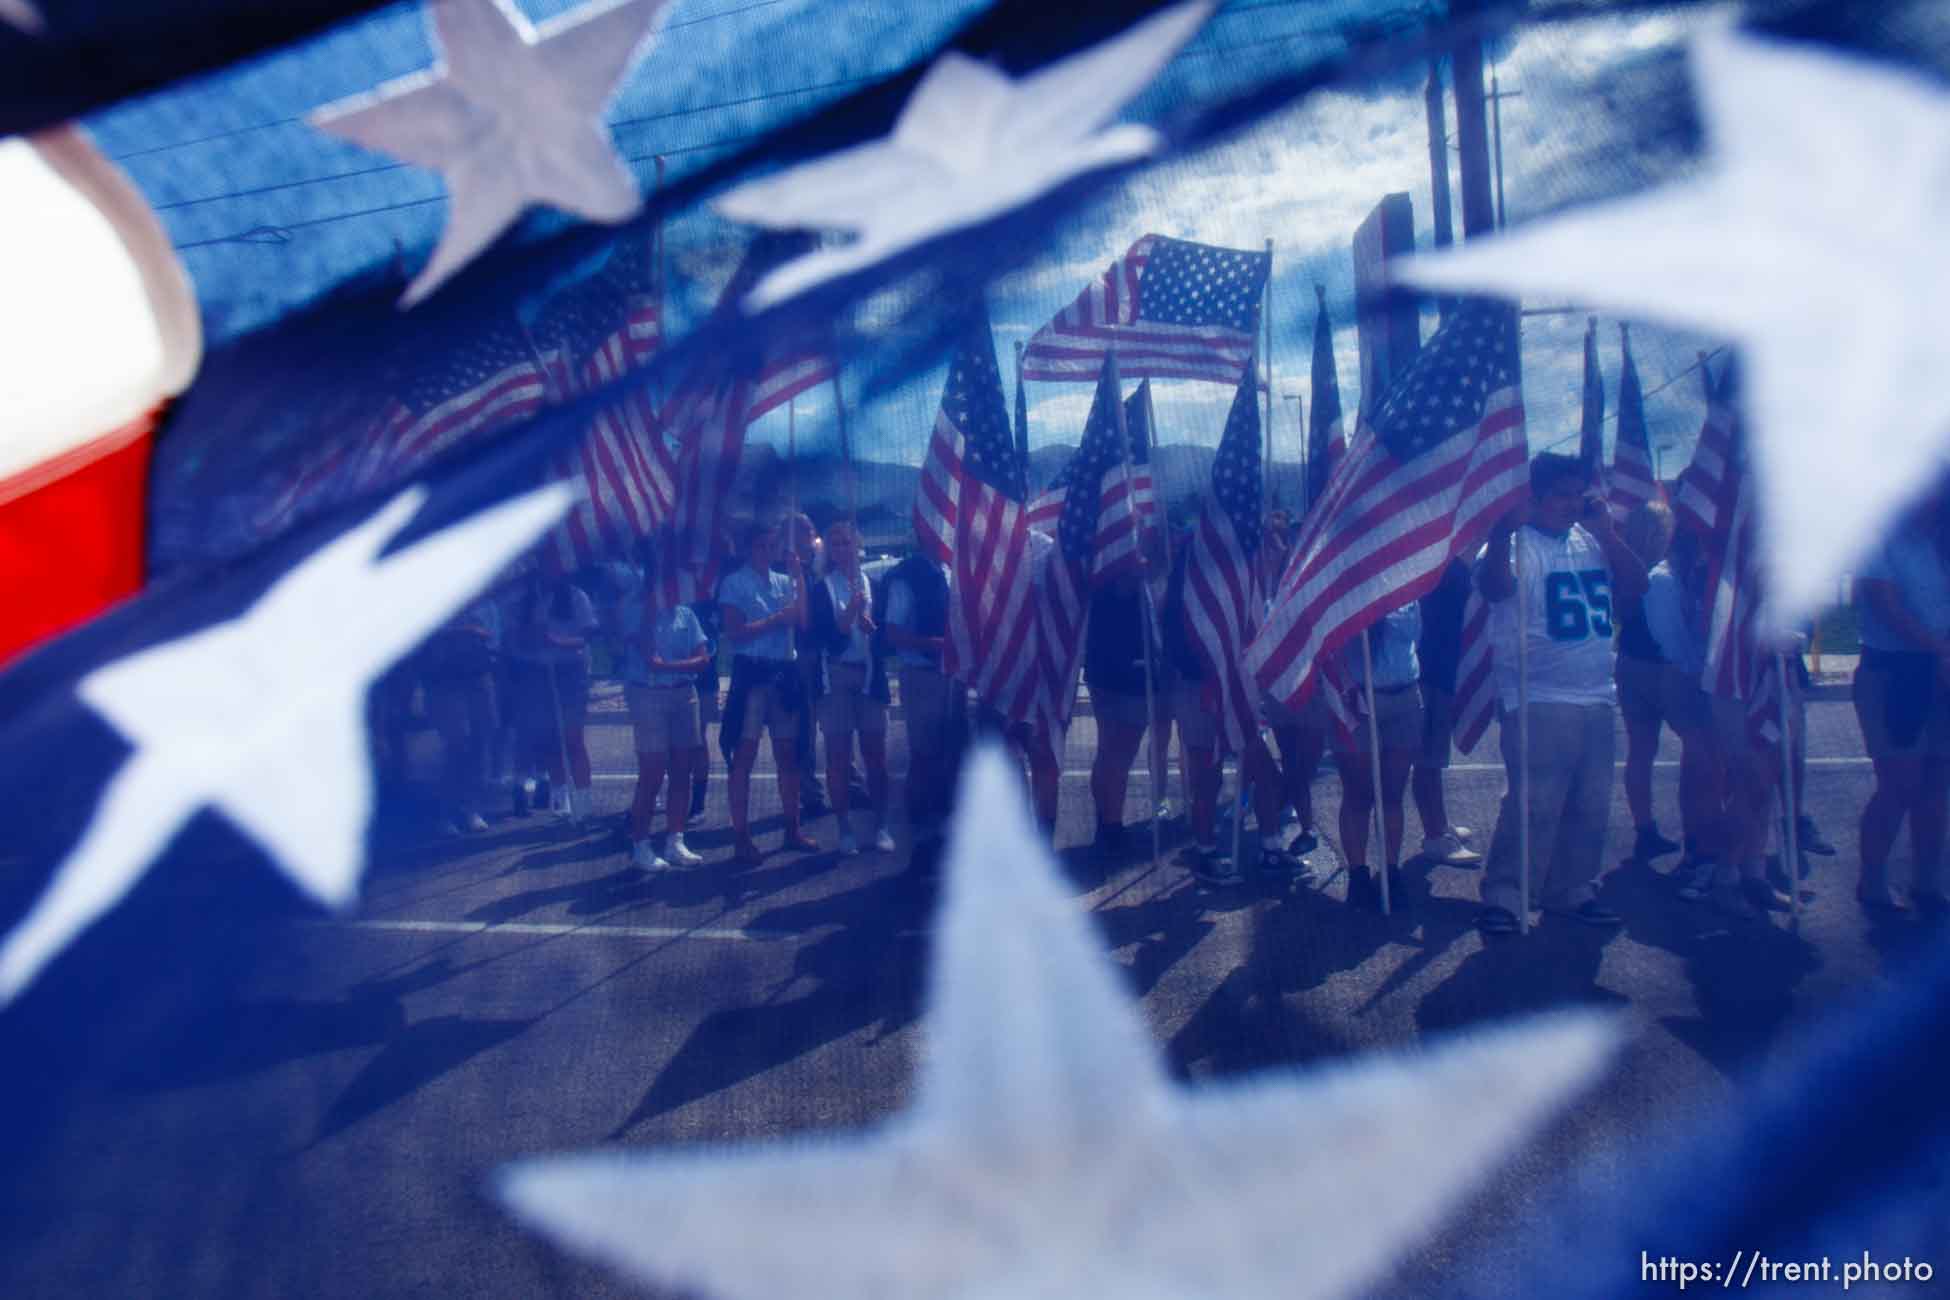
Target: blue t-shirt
[[757, 598], [1915, 567], [1391, 642], [673, 633]]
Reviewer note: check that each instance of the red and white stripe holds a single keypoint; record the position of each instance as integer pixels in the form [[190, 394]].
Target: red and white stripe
[[1696, 501], [1380, 537], [1632, 481], [1222, 599], [993, 557], [1117, 534], [1475, 674], [1072, 346]]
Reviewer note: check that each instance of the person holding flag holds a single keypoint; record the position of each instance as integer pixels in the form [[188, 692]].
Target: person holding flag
[[1557, 577]]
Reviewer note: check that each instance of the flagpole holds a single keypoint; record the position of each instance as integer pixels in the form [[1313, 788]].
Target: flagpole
[[1149, 615], [658, 272], [1266, 319], [846, 452], [1790, 829], [1523, 738], [1374, 770], [1161, 766], [1022, 425]]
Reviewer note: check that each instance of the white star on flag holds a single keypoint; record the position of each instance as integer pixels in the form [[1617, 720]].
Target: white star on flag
[[262, 718], [1049, 1153], [22, 14], [1814, 238], [511, 115], [969, 145]]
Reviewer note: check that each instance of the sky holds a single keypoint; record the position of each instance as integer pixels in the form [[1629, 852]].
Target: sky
[[1304, 179]]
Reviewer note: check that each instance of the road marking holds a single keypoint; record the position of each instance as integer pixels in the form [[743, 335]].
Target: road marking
[[545, 930], [551, 931], [1813, 761]]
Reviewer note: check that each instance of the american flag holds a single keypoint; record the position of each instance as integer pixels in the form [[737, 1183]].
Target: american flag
[[1632, 479], [970, 514], [1696, 499], [1445, 457], [1113, 514], [1739, 657], [1591, 416], [1475, 673], [589, 335], [1326, 439], [1222, 592], [1171, 309], [707, 426], [1091, 515], [491, 380]]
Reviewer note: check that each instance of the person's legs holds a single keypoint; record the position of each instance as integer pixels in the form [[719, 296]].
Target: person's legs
[[1577, 852], [1357, 808], [785, 756], [873, 756], [1110, 771], [1202, 782], [1641, 744], [1045, 778], [1926, 830], [1555, 738], [739, 794], [652, 766], [1395, 764]]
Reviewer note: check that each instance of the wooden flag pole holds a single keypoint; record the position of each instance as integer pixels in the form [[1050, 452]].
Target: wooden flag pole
[[1380, 823], [658, 273], [1148, 616], [1266, 322], [1791, 824], [846, 453], [1523, 737]]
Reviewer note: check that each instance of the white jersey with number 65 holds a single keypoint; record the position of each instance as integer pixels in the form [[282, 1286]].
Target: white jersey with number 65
[[1564, 602]]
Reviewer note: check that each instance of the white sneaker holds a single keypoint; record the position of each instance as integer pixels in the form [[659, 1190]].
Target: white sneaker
[[849, 846], [642, 855], [1462, 833], [1449, 850], [680, 853], [883, 842]]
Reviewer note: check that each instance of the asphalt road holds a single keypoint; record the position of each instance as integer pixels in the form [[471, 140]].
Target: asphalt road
[[254, 1099]]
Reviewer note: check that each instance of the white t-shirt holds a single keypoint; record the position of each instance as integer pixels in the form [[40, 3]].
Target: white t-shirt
[[858, 650], [1564, 602]]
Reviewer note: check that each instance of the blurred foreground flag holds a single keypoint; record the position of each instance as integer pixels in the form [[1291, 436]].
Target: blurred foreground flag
[[99, 331]]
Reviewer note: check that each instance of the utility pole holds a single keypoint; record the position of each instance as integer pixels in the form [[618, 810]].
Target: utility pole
[[1497, 96], [1472, 131]]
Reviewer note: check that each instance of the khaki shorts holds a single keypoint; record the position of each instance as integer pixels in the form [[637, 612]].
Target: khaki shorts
[[1871, 693], [846, 708], [1641, 690], [1197, 716], [1398, 720], [765, 710], [1687, 707], [1127, 710], [927, 698], [664, 718], [1438, 727]]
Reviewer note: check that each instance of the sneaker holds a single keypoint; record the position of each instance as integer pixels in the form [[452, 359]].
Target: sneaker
[[474, 822], [1282, 864], [1448, 849], [1497, 921], [1809, 837], [1762, 895], [849, 845], [1590, 912], [1697, 885], [1873, 892], [1163, 811], [642, 855], [1363, 890], [1731, 898], [681, 854], [1215, 868], [1305, 842], [1649, 844], [1109, 844], [883, 841]]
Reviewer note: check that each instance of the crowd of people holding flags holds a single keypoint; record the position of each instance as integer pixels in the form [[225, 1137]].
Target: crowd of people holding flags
[[1439, 577]]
